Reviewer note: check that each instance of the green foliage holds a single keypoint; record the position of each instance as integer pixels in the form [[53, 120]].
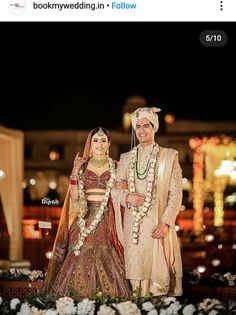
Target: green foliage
[[41, 301]]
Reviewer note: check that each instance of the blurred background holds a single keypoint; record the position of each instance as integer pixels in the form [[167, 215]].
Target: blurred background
[[64, 79]]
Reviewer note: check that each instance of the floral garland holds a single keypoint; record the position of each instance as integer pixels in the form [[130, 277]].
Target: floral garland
[[140, 212], [85, 231]]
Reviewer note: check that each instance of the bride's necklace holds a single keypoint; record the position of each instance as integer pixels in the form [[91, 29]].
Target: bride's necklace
[[98, 162]]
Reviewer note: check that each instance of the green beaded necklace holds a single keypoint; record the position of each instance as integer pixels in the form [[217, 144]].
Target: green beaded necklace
[[143, 175]]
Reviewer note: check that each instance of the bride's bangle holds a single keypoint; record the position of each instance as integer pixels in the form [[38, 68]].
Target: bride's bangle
[[74, 179]]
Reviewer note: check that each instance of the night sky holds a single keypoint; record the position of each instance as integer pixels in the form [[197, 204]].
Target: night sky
[[78, 75]]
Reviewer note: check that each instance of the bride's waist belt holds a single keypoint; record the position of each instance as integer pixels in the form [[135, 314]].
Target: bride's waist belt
[[93, 193]]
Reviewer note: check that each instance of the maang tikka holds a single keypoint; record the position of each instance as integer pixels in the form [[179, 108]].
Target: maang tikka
[[100, 132]]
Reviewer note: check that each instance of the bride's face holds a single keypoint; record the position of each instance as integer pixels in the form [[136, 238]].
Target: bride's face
[[99, 145]]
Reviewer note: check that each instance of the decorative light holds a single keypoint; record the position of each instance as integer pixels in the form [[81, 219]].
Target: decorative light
[[216, 262], [231, 199], [49, 254], [24, 184], [227, 168], [198, 184], [182, 208], [201, 269], [32, 181], [219, 206], [220, 246], [177, 228], [209, 238], [2, 174], [127, 121], [52, 184], [169, 119], [54, 155], [234, 246]]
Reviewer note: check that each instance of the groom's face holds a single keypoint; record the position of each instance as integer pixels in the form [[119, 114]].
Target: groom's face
[[144, 132]]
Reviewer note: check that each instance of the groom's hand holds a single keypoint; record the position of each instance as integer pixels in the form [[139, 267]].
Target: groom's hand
[[160, 230], [121, 184], [135, 199]]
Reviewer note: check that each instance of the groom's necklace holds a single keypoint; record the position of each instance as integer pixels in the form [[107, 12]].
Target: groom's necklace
[[142, 175]]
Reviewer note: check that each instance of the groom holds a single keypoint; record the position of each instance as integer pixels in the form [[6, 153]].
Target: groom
[[151, 201]]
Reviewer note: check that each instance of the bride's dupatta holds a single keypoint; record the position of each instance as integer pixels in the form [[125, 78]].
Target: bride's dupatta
[[59, 249]]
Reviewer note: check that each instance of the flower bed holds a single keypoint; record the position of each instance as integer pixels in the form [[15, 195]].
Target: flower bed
[[211, 295], [101, 304]]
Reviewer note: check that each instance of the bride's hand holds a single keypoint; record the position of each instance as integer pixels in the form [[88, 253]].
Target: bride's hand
[[74, 192], [78, 162]]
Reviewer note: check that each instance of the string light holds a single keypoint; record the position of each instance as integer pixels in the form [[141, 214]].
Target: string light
[[198, 183]]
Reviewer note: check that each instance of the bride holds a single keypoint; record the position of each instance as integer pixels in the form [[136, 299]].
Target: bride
[[87, 255]]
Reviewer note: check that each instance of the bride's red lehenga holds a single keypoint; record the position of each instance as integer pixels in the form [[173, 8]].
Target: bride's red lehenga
[[100, 265]]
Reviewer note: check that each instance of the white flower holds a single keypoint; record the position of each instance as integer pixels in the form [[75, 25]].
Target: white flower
[[36, 311], [13, 303], [24, 309], [25, 272], [209, 304], [147, 306], [213, 312], [128, 308], [152, 312], [65, 306], [51, 312], [189, 309], [105, 310], [169, 300], [174, 307], [0, 300], [12, 271], [86, 307]]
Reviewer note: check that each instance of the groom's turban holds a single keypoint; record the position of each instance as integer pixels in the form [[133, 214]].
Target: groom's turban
[[146, 112]]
